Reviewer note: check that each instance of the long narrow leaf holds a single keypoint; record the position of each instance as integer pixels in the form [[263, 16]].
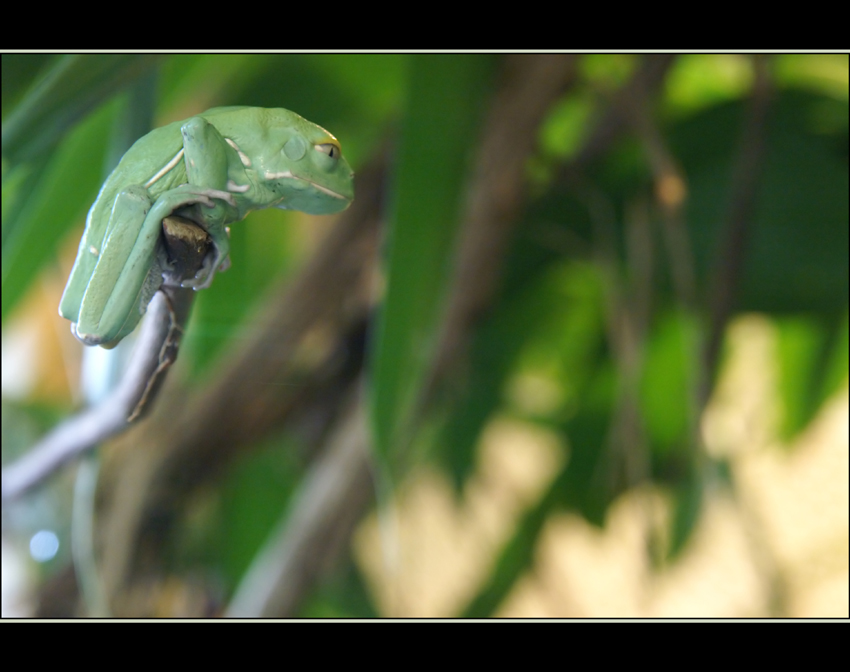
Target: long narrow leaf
[[64, 191], [444, 103], [75, 86]]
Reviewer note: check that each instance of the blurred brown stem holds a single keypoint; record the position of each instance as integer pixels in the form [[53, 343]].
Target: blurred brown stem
[[530, 85], [729, 262]]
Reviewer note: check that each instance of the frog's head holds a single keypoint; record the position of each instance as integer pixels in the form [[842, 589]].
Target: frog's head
[[307, 169]]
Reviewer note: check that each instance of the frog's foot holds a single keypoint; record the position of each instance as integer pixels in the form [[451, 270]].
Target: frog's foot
[[188, 194], [214, 261]]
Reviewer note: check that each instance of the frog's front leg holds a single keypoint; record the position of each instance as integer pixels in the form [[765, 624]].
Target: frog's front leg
[[207, 157]]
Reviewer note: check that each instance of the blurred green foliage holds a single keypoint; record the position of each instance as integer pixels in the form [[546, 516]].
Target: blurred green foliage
[[551, 316]]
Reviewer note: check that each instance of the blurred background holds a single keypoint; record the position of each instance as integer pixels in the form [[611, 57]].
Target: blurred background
[[578, 349]]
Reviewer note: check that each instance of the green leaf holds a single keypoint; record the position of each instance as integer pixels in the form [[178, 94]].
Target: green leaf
[[254, 499], [492, 358], [812, 365], [687, 507], [19, 71], [50, 203], [584, 485], [667, 384], [595, 474], [796, 256], [344, 594], [548, 318], [259, 251], [444, 103], [73, 87]]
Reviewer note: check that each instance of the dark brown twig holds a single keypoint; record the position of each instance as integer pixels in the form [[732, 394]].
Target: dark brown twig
[[729, 263], [530, 85]]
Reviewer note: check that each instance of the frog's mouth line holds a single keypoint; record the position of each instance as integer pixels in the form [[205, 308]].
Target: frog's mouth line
[[287, 174]]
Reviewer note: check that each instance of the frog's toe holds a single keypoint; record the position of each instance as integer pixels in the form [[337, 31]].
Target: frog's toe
[[204, 277], [189, 193]]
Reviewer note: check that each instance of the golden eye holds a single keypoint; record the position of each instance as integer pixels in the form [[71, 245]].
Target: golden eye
[[330, 149]]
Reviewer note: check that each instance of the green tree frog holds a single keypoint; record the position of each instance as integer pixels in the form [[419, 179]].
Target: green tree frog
[[214, 168]]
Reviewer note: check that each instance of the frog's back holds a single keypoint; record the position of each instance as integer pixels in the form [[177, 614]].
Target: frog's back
[[145, 163], [142, 162], [240, 119], [255, 129], [148, 156]]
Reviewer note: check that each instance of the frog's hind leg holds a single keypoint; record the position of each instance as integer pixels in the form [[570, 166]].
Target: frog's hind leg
[[125, 276]]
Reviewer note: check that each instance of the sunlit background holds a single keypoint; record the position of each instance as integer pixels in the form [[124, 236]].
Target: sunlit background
[[556, 459]]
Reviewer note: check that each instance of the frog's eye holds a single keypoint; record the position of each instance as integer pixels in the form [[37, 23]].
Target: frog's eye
[[330, 149], [295, 148]]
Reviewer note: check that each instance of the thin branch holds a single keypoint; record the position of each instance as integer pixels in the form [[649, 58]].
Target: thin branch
[[185, 244], [746, 176], [728, 271], [154, 352], [312, 533], [671, 192], [617, 117], [530, 85]]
